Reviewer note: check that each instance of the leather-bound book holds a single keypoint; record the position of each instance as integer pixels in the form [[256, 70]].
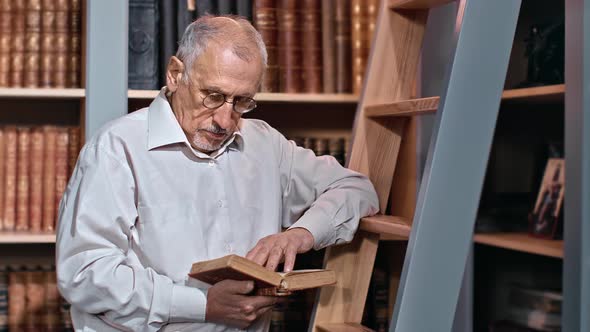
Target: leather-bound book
[[23, 178], [49, 135], [36, 184], [328, 45], [143, 44], [73, 147], [17, 63], [17, 302], [48, 43], [5, 37], [51, 315], [359, 43], [205, 7], [32, 44], [265, 20], [10, 139], [168, 36], [184, 16], [2, 174], [61, 165], [290, 62], [74, 49], [342, 46], [312, 46], [3, 298], [244, 9], [226, 7], [35, 299], [372, 11], [56, 62]]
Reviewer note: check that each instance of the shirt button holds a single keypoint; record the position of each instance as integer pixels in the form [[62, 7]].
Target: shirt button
[[220, 203], [211, 163], [229, 248]]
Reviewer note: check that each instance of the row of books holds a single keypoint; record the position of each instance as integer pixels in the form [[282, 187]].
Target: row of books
[[40, 43], [30, 300], [336, 147], [531, 309], [35, 163], [313, 46]]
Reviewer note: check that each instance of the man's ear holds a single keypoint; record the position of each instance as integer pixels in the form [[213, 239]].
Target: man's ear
[[174, 73]]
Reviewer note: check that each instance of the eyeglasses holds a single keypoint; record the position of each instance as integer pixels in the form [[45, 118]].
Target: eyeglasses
[[241, 105]]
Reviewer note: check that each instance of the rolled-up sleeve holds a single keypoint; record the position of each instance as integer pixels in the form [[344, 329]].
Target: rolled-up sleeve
[[95, 230], [322, 196]]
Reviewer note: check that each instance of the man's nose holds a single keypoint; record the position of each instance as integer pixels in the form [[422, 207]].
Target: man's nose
[[223, 115]]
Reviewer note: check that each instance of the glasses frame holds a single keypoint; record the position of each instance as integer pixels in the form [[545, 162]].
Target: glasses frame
[[226, 101]]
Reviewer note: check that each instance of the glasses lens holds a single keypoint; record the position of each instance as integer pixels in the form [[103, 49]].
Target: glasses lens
[[214, 100], [244, 105]]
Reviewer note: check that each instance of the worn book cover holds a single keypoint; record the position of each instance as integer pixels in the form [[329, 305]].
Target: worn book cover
[[267, 282]]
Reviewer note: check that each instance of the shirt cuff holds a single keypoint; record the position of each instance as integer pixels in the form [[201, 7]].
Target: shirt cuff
[[188, 304], [319, 225]]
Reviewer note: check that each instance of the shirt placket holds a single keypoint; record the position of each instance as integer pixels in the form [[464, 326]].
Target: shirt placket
[[221, 216]]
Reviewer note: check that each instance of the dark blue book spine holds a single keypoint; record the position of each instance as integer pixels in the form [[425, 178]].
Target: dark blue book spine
[[143, 44]]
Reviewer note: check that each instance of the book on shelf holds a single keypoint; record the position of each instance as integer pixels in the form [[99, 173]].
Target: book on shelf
[[143, 44], [267, 282]]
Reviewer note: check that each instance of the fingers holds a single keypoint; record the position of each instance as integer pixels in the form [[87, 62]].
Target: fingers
[[276, 254], [237, 287], [290, 254]]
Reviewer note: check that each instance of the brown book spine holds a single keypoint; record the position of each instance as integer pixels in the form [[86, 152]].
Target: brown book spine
[[61, 165], [32, 44], [2, 170], [23, 179], [312, 46], [342, 46], [74, 50], [63, 40], [17, 63], [290, 70], [372, 11], [36, 185], [51, 316], [35, 299], [10, 178], [49, 135], [328, 45], [265, 16], [48, 43], [17, 307], [5, 38], [359, 25], [73, 147]]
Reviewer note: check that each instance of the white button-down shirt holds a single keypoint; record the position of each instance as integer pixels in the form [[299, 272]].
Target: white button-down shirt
[[142, 206]]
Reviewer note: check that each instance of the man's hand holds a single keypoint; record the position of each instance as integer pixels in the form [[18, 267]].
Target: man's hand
[[273, 249], [228, 303]]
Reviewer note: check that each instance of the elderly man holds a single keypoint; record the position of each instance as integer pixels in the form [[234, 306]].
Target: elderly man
[[187, 180]]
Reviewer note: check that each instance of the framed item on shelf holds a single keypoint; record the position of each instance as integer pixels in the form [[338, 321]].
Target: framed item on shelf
[[544, 220]]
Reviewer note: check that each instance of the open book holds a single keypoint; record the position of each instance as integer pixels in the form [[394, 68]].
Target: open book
[[266, 282]]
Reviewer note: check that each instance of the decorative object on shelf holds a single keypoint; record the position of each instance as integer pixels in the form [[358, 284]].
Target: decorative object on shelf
[[545, 218], [545, 52]]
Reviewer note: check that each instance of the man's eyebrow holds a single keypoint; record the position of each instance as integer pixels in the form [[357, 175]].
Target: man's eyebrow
[[215, 88]]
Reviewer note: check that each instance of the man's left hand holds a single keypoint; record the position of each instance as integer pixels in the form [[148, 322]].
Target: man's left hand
[[273, 249]]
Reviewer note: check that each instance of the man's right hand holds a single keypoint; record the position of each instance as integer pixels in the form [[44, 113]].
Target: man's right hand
[[228, 303]]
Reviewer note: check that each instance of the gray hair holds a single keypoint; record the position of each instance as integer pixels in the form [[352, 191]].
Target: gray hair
[[233, 30]]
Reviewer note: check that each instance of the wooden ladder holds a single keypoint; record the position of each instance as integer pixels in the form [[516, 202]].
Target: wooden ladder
[[385, 118]]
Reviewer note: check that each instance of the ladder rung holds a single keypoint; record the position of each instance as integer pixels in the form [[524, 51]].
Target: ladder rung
[[416, 4], [404, 108], [343, 327], [386, 225]]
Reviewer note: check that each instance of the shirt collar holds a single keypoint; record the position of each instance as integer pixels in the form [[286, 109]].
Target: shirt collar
[[164, 129]]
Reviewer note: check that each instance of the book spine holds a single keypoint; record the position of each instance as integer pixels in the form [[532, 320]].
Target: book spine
[[35, 299], [2, 175], [312, 50], [50, 135], [61, 166], [168, 37], [47, 55], [32, 44], [359, 35], [266, 24], [3, 299], [56, 60], [17, 63], [206, 7], [336, 149], [226, 7], [244, 9], [5, 38], [328, 45], [22, 184], [51, 316], [372, 12], [36, 185], [342, 46], [73, 147], [10, 178], [16, 300], [143, 44], [74, 50], [290, 70]]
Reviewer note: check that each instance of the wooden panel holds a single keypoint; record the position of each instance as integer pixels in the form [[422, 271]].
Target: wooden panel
[[522, 242], [26, 237], [353, 264], [344, 327], [387, 225], [416, 4], [404, 108]]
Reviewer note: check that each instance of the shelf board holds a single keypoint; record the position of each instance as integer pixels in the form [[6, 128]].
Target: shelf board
[[272, 97], [522, 242], [540, 93], [26, 237], [45, 93]]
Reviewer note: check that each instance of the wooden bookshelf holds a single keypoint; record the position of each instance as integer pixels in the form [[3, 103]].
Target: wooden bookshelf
[[42, 93], [541, 93], [522, 242], [26, 237], [272, 97]]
